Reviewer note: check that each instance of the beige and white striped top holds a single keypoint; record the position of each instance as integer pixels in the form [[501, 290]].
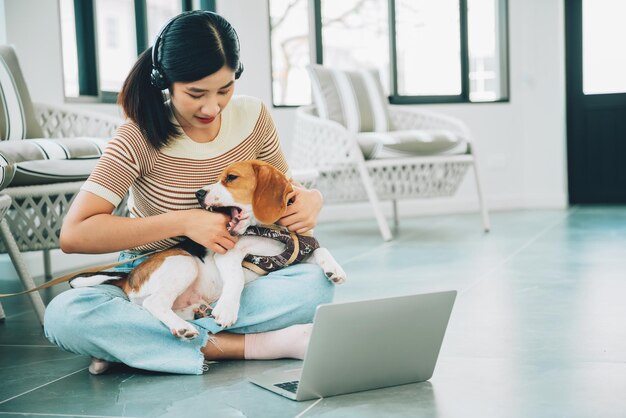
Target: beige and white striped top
[[165, 180]]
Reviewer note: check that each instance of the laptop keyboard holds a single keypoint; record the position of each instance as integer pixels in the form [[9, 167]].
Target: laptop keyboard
[[289, 386]]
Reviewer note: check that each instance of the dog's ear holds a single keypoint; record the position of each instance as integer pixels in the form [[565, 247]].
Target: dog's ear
[[270, 195]]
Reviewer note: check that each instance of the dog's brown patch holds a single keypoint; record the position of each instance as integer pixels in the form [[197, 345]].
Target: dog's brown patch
[[270, 195], [140, 274], [262, 185], [242, 187]]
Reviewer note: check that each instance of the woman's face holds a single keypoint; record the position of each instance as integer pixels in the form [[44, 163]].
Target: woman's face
[[198, 104]]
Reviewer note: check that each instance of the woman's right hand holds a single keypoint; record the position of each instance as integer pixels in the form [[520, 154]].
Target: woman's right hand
[[208, 229]]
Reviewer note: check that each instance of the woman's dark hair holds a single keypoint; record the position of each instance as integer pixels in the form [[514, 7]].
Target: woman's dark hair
[[189, 47]]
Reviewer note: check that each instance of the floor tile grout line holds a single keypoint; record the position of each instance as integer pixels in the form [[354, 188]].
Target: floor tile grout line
[[63, 415], [35, 363], [309, 408], [18, 314], [28, 345], [40, 386], [516, 252]]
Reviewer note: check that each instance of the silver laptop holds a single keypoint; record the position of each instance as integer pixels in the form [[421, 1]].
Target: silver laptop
[[365, 345]]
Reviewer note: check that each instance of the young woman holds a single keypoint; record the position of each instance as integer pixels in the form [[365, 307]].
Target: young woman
[[165, 152]]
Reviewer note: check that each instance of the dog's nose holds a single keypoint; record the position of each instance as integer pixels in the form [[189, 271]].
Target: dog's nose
[[200, 194]]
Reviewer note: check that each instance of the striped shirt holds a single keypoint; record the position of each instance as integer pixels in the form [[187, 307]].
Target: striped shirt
[[164, 180]]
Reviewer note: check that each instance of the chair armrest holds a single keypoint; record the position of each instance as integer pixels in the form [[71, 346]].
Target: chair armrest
[[65, 122], [403, 118], [319, 143]]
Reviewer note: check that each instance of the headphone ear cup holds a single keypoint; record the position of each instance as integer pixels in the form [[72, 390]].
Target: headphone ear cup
[[157, 79], [239, 70]]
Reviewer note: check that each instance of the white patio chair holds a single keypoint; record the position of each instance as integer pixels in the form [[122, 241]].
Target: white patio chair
[[355, 166], [46, 152]]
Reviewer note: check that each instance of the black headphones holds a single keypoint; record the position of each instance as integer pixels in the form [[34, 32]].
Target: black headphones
[[157, 76]]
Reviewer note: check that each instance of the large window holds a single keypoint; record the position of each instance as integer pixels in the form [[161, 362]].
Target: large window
[[355, 34], [290, 51], [101, 40], [425, 51], [603, 65]]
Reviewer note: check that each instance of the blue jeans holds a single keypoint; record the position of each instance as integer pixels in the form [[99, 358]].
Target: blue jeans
[[100, 321]]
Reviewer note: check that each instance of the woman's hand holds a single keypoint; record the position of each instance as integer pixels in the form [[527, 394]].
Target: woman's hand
[[301, 215], [208, 229]]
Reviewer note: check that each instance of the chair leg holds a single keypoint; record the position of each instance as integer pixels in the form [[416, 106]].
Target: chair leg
[[47, 265], [481, 200], [396, 220], [371, 194], [22, 270]]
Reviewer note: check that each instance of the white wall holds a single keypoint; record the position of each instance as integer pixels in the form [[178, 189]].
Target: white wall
[[521, 143], [33, 28]]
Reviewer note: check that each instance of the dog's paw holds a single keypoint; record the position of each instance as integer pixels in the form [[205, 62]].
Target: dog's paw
[[202, 311], [225, 314], [329, 265], [336, 277], [333, 271], [185, 334]]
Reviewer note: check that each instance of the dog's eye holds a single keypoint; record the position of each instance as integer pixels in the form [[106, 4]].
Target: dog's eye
[[231, 177]]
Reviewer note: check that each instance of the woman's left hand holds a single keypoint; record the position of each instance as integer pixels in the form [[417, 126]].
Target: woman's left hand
[[301, 215]]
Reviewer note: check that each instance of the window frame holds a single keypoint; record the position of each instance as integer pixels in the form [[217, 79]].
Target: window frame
[[86, 46], [316, 47]]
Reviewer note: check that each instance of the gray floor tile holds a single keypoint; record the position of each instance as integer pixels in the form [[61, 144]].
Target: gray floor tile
[[224, 392], [537, 329], [23, 368]]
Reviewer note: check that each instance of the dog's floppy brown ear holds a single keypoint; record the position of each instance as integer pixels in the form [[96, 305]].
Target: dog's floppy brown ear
[[270, 195]]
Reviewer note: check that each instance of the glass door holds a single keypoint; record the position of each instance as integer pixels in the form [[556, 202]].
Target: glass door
[[596, 100]]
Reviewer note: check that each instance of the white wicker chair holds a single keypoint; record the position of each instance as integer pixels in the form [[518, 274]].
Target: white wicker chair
[[34, 218], [37, 211], [346, 176], [35, 202]]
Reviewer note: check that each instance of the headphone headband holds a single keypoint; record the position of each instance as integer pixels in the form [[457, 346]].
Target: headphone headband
[[157, 77]]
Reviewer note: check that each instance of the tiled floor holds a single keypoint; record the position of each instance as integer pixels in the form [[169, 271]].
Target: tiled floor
[[538, 330]]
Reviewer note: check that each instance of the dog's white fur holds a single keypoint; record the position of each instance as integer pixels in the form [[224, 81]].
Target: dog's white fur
[[183, 283]]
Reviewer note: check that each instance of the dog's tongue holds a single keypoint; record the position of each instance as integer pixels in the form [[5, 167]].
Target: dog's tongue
[[234, 212], [234, 220]]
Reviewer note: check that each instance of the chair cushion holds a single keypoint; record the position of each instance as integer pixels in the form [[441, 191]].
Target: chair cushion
[[30, 173], [14, 154], [398, 144], [355, 99], [17, 116]]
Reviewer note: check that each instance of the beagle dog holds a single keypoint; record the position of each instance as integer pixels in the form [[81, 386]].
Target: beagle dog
[[180, 283]]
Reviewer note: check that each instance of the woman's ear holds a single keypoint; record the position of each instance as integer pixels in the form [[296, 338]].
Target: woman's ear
[[269, 201]]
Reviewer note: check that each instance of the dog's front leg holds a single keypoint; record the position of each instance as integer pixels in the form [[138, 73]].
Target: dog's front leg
[[227, 307]]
